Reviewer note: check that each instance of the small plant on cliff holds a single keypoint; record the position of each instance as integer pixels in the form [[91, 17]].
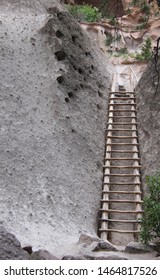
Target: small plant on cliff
[[134, 3], [151, 219], [109, 39], [146, 51], [84, 12], [145, 8], [104, 7]]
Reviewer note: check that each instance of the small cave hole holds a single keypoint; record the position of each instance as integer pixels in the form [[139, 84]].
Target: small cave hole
[[98, 107], [60, 55], [28, 249], [66, 99], [60, 79], [80, 71], [87, 53], [59, 34], [60, 15], [74, 38], [100, 94], [92, 67], [73, 130], [70, 94], [81, 85]]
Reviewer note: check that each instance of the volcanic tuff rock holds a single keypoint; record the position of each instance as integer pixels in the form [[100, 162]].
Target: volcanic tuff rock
[[136, 247], [54, 85], [148, 100], [42, 255], [10, 247]]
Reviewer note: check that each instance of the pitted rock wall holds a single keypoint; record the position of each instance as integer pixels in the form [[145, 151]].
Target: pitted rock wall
[[148, 101], [54, 90]]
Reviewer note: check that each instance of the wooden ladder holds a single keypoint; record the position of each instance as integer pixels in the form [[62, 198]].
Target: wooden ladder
[[121, 203]]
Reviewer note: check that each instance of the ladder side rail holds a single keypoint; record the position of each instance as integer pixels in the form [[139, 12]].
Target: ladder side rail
[[105, 193], [136, 172]]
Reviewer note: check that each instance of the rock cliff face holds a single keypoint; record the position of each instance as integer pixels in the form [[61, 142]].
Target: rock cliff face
[[54, 85], [149, 120]]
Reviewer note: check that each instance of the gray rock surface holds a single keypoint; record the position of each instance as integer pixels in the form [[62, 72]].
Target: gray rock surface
[[105, 256], [87, 239], [70, 257], [100, 246], [104, 245], [136, 247], [54, 86], [42, 255], [10, 247], [149, 121]]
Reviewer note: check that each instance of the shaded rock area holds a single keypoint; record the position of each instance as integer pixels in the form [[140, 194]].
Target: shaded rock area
[[101, 245], [148, 100], [42, 255], [135, 247], [86, 239], [10, 247], [54, 90]]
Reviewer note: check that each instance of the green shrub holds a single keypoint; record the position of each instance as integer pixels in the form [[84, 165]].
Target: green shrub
[[129, 12], [109, 39], [145, 8], [104, 8], [146, 51], [134, 3], [122, 51], [112, 20], [84, 12], [151, 219]]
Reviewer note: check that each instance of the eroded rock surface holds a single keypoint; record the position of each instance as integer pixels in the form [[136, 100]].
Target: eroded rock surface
[[42, 255], [148, 101], [54, 87], [136, 247], [10, 247]]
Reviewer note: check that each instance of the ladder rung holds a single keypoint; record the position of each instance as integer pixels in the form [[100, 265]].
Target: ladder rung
[[122, 104], [120, 201], [122, 144], [122, 117], [122, 110], [122, 98], [120, 129], [119, 221], [113, 92], [122, 158], [121, 166], [119, 231], [122, 151], [122, 192], [122, 184], [122, 211], [122, 137], [123, 175], [122, 123]]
